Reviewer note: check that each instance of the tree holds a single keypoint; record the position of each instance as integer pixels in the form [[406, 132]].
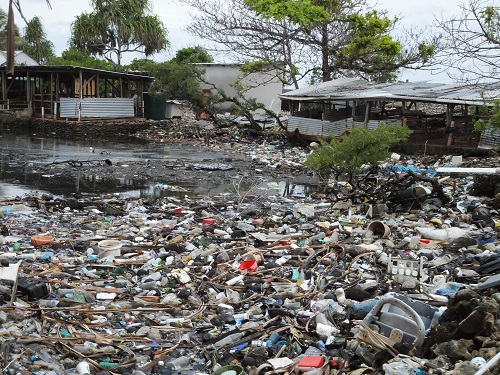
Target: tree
[[352, 159], [172, 79], [240, 35], [119, 26], [472, 42], [328, 38], [35, 42], [74, 57], [193, 55]]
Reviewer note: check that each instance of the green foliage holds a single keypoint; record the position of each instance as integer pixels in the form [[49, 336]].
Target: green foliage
[[490, 117], [351, 43], [173, 80], [360, 147], [371, 47], [119, 26], [35, 42], [192, 55], [491, 20], [73, 57], [301, 12]]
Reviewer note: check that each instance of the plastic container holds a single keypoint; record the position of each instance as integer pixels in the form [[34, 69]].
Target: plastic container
[[209, 221], [377, 228], [109, 247], [42, 240], [310, 362], [248, 265]]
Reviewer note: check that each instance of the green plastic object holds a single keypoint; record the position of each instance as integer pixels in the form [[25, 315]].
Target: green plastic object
[[108, 365]]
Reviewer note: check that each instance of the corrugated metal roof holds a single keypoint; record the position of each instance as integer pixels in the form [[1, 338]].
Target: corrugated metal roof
[[357, 89], [22, 69]]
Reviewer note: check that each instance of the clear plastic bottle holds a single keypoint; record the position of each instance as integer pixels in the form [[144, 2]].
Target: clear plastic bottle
[[179, 363]]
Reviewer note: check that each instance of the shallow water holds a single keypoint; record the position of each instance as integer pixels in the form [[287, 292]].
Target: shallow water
[[20, 154]]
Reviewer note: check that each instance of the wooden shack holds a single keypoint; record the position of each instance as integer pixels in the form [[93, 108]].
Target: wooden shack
[[73, 93]]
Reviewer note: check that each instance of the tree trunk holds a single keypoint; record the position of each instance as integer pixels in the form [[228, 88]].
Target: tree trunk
[[324, 53]]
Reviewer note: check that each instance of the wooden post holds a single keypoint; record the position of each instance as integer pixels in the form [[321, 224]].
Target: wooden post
[[52, 93], [42, 103], [450, 134], [97, 89], [4, 88], [450, 124], [28, 89]]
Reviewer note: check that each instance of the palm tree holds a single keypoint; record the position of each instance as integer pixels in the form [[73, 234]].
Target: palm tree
[[35, 42], [116, 27]]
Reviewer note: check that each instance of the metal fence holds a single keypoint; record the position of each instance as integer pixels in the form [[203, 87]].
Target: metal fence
[[97, 108]]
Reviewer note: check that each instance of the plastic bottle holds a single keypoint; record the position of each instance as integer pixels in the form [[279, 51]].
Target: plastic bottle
[[83, 368], [243, 316], [273, 339], [316, 237], [235, 280], [228, 340], [179, 363]]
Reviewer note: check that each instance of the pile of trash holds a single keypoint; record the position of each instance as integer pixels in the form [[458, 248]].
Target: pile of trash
[[246, 284]]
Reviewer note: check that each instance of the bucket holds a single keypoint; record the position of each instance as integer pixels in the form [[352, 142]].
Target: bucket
[[229, 370], [109, 247], [377, 228]]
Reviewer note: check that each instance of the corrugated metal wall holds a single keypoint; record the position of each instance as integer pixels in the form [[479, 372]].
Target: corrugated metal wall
[[97, 107], [314, 127], [489, 139]]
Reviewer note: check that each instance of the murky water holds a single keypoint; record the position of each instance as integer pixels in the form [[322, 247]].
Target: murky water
[[22, 155]]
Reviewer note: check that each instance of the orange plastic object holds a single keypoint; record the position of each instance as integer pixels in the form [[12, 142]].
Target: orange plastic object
[[41, 240]]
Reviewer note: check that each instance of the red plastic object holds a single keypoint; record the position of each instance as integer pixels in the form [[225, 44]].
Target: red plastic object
[[249, 265], [313, 361], [178, 211], [208, 221]]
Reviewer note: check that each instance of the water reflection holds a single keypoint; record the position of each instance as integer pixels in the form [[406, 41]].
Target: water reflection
[[23, 159]]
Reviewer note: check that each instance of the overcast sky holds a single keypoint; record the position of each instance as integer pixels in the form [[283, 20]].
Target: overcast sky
[[175, 16]]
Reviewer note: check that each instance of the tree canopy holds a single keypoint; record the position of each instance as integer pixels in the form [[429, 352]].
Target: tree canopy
[[196, 54], [119, 26], [304, 38], [74, 57]]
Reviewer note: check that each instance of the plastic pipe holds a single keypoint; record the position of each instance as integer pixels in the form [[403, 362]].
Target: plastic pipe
[[468, 170], [489, 364]]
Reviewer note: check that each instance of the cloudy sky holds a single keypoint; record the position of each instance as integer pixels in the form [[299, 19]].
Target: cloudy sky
[[175, 16]]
